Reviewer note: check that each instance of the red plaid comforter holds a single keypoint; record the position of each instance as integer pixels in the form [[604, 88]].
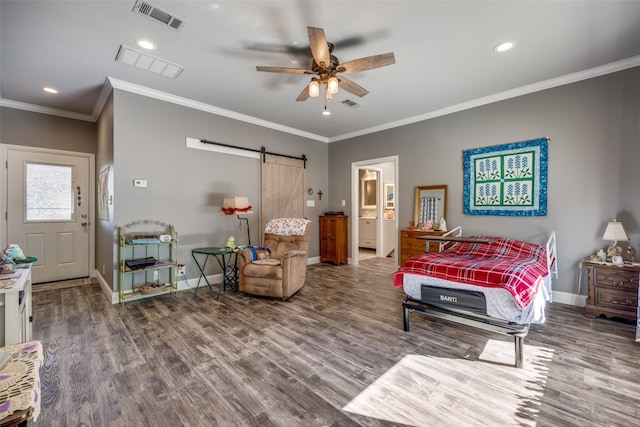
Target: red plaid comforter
[[506, 263]]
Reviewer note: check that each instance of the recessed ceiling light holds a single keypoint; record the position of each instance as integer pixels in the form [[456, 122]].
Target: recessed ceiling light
[[146, 44], [50, 90], [503, 47]]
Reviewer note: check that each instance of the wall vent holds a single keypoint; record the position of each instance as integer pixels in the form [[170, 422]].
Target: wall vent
[[350, 103], [144, 61], [158, 15]]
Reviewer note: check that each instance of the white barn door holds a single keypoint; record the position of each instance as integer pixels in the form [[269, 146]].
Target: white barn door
[[283, 188]]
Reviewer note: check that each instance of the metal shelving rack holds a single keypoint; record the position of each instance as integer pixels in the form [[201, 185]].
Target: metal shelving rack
[[141, 239]]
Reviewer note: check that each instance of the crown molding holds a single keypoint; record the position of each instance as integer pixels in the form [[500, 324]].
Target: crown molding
[[45, 110], [105, 92]]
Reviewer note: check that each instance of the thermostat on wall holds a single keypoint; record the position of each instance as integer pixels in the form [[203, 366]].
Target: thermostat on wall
[[142, 183]]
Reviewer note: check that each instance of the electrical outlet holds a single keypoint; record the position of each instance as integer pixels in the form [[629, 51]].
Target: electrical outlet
[[180, 269], [155, 275]]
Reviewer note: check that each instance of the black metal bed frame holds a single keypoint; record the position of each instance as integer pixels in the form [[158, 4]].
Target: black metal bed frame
[[517, 331]]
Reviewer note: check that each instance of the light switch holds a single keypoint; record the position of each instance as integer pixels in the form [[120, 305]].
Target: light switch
[[344, 203], [141, 183], [311, 203]]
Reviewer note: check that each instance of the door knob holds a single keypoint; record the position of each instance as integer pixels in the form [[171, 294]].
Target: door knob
[[84, 224]]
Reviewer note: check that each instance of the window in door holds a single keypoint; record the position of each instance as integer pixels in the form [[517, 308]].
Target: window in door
[[49, 192]]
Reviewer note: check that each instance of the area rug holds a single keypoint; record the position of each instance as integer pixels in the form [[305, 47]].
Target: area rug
[[62, 284], [434, 391]]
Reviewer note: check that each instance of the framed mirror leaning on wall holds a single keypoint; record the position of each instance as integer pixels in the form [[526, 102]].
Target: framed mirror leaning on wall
[[430, 205]]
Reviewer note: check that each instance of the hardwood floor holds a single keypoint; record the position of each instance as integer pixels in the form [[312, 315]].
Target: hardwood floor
[[334, 354]]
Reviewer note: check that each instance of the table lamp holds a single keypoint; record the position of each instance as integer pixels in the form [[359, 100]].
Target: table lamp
[[614, 233], [236, 206]]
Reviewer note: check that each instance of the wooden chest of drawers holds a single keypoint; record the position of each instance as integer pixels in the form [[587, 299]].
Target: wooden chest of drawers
[[411, 246], [613, 290]]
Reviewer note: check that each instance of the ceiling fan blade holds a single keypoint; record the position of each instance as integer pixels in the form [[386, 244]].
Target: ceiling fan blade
[[304, 95], [319, 46], [278, 48], [284, 70], [368, 63], [352, 87]]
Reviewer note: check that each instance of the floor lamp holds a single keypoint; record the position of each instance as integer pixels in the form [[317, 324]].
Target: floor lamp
[[237, 206]]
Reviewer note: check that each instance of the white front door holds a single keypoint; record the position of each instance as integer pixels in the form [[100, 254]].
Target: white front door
[[48, 211]]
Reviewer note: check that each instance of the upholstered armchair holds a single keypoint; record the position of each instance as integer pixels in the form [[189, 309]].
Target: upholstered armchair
[[282, 272]]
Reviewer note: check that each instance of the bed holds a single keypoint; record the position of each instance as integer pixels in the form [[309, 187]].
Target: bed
[[489, 282]]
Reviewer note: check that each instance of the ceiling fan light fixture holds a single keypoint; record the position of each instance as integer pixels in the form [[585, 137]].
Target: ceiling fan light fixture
[[314, 88], [328, 96], [332, 85]]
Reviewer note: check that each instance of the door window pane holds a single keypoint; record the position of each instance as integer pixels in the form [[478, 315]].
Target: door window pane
[[49, 192]]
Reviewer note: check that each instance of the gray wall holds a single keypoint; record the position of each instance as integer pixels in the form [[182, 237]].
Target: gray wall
[[105, 229], [186, 186], [593, 156], [20, 127]]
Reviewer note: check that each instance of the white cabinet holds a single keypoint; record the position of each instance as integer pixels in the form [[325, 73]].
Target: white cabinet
[[15, 309], [367, 233]]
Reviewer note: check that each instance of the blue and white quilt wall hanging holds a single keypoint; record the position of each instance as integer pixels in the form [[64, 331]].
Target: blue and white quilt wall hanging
[[507, 180]]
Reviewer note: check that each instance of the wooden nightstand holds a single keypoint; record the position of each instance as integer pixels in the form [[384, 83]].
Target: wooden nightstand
[[613, 290]]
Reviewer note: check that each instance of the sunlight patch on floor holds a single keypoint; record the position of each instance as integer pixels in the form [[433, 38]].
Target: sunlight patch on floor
[[427, 390]]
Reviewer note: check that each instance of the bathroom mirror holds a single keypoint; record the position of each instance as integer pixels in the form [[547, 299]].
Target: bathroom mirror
[[369, 193], [430, 204]]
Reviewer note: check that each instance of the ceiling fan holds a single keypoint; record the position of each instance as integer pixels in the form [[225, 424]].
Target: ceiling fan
[[329, 70]]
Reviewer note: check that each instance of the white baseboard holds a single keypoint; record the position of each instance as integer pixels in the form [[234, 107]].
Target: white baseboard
[[314, 260], [184, 284], [106, 288], [569, 299]]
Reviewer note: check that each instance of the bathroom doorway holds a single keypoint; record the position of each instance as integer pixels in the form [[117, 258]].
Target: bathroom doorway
[[374, 209]]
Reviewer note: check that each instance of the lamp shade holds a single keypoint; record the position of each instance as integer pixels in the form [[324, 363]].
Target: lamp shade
[[615, 232], [236, 205]]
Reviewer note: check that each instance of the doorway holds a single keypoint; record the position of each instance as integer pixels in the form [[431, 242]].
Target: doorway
[[383, 217], [49, 211]]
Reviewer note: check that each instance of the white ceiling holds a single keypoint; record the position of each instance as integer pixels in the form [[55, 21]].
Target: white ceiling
[[444, 55]]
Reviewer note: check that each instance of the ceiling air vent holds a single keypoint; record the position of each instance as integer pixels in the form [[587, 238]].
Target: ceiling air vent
[[144, 61], [351, 104], [158, 15]]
